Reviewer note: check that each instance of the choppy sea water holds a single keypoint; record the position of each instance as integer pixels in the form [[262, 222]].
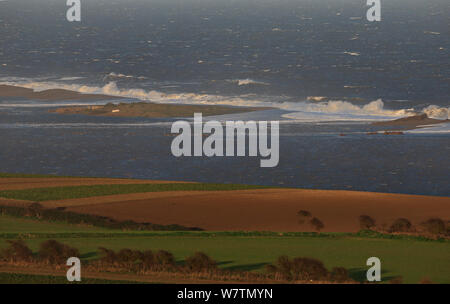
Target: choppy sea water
[[312, 155], [257, 51], [325, 69]]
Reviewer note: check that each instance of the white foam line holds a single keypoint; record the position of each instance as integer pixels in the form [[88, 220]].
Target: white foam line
[[333, 110]]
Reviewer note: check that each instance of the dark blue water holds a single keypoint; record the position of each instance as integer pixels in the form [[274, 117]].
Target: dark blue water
[[311, 155], [240, 52]]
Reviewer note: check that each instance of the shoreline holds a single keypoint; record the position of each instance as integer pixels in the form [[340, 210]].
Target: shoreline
[[134, 109], [411, 123], [168, 110], [153, 110]]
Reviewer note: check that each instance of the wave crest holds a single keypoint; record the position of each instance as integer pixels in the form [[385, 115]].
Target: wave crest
[[333, 110]]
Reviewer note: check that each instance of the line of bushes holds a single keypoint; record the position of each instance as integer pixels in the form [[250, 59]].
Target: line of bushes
[[50, 252], [199, 265], [433, 226], [148, 261], [36, 211], [306, 269], [126, 260]]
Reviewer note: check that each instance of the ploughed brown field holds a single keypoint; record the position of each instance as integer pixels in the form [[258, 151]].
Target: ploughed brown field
[[242, 210], [269, 209]]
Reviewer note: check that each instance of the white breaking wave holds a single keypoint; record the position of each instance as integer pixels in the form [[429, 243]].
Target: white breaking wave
[[443, 128], [70, 78], [119, 75], [248, 81], [437, 112], [352, 53], [333, 110], [343, 110]]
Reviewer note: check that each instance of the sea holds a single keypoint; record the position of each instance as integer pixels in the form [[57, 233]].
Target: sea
[[324, 70]]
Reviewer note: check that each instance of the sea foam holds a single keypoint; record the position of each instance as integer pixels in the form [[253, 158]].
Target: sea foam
[[305, 111]]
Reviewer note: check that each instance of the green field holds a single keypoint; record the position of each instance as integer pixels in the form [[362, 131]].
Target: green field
[[61, 193], [411, 258]]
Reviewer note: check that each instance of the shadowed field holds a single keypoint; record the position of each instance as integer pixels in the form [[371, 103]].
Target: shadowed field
[[412, 258], [249, 226]]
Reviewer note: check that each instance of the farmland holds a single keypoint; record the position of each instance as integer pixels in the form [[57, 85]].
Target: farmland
[[261, 225]]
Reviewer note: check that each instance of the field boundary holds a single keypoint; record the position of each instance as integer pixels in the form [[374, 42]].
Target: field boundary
[[72, 192], [364, 234]]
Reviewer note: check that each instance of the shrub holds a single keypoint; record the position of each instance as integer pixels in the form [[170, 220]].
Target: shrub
[[308, 269], [148, 260], [107, 256], [271, 268], [34, 210], [284, 267], [435, 226], [401, 225], [366, 222], [303, 215], [53, 252], [135, 260], [317, 224], [165, 258], [304, 269], [200, 262], [18, 251], [126, 257]]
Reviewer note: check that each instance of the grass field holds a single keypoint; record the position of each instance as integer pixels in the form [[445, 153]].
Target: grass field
[[61, 193], [411, 258]]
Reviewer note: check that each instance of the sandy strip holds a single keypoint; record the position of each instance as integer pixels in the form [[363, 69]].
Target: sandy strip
[[267, 209], [153, 110], [136, 109], [31, 183], [48, 95]]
